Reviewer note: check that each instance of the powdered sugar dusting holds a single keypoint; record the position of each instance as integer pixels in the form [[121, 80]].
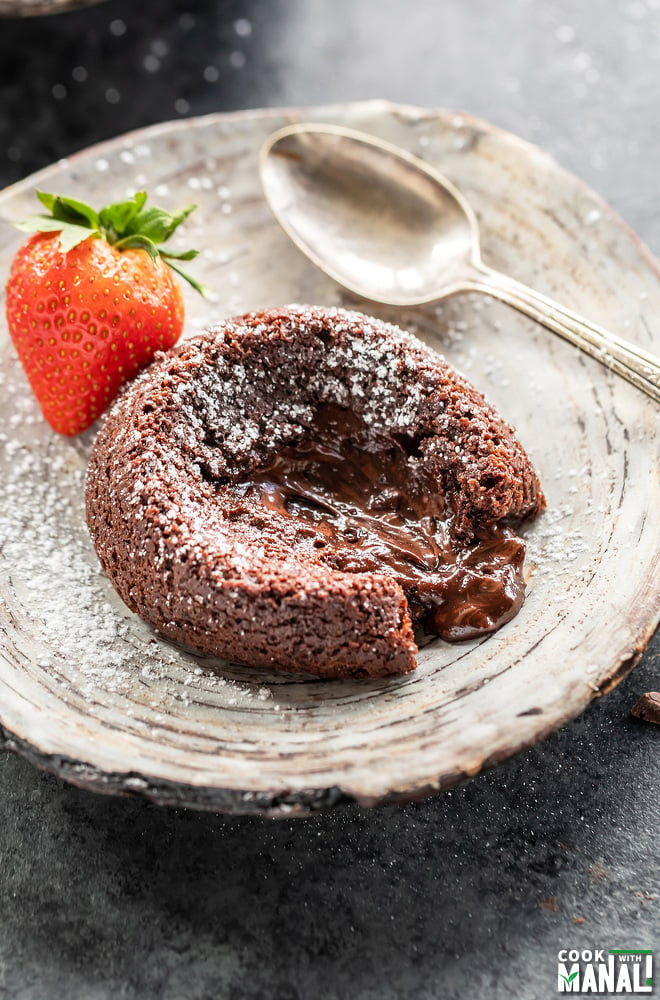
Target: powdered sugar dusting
[[555, 550]]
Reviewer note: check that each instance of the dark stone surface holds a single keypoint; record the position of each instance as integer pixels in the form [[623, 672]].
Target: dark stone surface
[[469, 894], [466, 895]]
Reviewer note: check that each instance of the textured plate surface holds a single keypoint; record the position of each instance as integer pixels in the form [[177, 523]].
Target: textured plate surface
[[89, 691]]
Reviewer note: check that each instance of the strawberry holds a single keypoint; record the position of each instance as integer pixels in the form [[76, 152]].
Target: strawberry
[[90, 297]]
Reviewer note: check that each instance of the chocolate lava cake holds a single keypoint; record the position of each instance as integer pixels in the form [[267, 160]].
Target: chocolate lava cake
[[300, 488]]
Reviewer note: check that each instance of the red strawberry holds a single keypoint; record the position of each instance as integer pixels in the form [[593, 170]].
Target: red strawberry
[[90, 297]]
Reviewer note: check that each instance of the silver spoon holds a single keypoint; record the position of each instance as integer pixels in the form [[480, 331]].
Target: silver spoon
[[385, 225]]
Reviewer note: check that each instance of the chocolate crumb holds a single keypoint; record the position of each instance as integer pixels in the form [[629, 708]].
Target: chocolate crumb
[[550, 904], [599, 872], [648, 707]]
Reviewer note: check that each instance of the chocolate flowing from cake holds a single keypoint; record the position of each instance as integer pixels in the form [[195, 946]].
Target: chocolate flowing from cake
[[297, 488]]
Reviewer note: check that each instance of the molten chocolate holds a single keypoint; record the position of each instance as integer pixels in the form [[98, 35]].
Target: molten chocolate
[[356, 506]]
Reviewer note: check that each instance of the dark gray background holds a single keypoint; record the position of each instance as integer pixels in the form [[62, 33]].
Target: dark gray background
[[468, 895]]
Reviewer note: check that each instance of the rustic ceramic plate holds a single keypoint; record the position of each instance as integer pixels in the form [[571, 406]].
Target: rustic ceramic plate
[[91, 693]]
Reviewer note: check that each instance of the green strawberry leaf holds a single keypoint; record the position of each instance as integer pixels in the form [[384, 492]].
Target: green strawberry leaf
[[204, 290], [139, 243], [179, 254], [69, 210], [116, 218], [48, 200], [70, 235], [152, 222], [157, 224]]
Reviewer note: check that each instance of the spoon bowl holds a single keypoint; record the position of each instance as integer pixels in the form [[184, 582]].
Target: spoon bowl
[[390, 228], [375, 219]]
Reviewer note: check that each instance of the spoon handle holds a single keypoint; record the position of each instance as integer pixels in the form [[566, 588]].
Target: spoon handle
[[633, 363]]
